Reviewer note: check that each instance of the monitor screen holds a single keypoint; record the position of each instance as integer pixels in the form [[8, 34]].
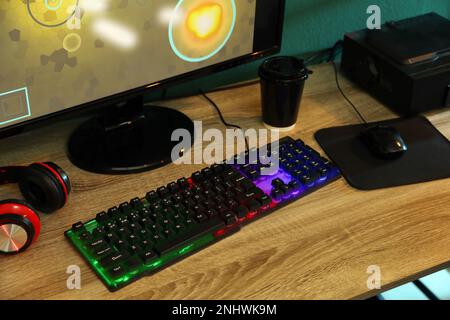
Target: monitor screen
[[58, 54]]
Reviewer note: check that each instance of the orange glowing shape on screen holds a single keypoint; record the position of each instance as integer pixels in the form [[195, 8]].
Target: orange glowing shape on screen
[[205, 20]]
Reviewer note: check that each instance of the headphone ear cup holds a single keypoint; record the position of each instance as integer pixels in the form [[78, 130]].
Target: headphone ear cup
[[64, 177], [42, 189], [22, 203], [19, 226]]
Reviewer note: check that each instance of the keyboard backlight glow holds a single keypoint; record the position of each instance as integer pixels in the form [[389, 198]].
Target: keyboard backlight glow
[[251, 215], [186, 249], [219, 233]]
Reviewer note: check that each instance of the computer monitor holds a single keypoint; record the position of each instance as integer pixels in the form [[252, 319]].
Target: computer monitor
[[59, 57]]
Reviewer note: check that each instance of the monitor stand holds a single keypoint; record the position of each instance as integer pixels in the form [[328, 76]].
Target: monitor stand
[[127, 138]]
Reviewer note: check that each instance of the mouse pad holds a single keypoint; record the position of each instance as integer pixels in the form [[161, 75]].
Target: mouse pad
[[427, 159]]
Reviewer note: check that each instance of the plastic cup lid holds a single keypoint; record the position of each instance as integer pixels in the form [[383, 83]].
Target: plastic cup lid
[[284, 68]]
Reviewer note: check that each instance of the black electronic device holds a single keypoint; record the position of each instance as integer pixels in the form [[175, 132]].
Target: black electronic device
[[172, 222], [406, 64], [105, 57], [384, 142]]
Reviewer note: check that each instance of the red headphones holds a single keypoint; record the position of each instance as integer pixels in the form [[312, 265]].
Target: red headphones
[[46, 187]]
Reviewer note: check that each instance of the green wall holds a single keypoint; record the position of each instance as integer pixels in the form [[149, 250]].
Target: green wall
[[311, 25]]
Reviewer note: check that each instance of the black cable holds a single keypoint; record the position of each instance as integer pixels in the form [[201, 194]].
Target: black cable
[[225, 123], [335, 50], [345, 96], [331, 59]]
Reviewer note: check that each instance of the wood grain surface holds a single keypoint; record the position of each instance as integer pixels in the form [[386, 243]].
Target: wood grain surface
[[317, 248]]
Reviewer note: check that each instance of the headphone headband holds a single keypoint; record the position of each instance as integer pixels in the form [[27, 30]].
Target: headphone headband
[[10, 174]]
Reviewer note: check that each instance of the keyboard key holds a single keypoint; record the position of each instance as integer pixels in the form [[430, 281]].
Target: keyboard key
[[167, 233], [85, 236], [110, 225], [314, 175], [156, 238], [200, 217], [102, 252], [112, 259], [178, 228], [217, 168], [97, 244], [132, 238], [123, 222], [197, 177], [229, 218], [163, 192], [113, 212], [117, 272], [123, 232], [241, 211], [134, 262], [183, 183], [285, 189], [173, 187], [253, 205], [77, 226], [111, 237], [135, 249], [146, 243], [101, 217], [247, 184], [133, 217], [121, 244], [312, 152], [265, 200], [125, 208], [152, 197], [143, 233], [207, 173], [135, 227], [166, 203], [99, 232], [299, 143], [232, 203], [306, 180], [221, 208], [211, 213], [136, 203], [294, 186], [276, 183], [323, 172], [277, 194], [253, 174], [148, 256]]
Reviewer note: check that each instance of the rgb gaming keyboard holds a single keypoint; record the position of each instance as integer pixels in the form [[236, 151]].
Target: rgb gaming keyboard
[[145, 235]]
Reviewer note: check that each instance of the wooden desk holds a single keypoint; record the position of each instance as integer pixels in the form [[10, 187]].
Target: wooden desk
[[319, 247]]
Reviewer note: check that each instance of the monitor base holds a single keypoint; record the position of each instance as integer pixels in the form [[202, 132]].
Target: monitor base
[[136, 142]]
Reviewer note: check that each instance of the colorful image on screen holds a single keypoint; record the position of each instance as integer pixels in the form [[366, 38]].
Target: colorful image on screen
[[57, 54]]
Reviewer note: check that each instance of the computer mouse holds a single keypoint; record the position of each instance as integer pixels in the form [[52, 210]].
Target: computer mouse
[[384, 142]]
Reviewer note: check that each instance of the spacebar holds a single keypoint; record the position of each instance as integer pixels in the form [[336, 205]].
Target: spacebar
[[210, 226]]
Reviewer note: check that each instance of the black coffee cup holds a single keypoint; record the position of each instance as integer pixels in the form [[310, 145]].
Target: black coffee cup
[[282, 83]]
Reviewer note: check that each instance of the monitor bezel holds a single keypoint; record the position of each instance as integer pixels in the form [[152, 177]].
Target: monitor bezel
[[264, 7]]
